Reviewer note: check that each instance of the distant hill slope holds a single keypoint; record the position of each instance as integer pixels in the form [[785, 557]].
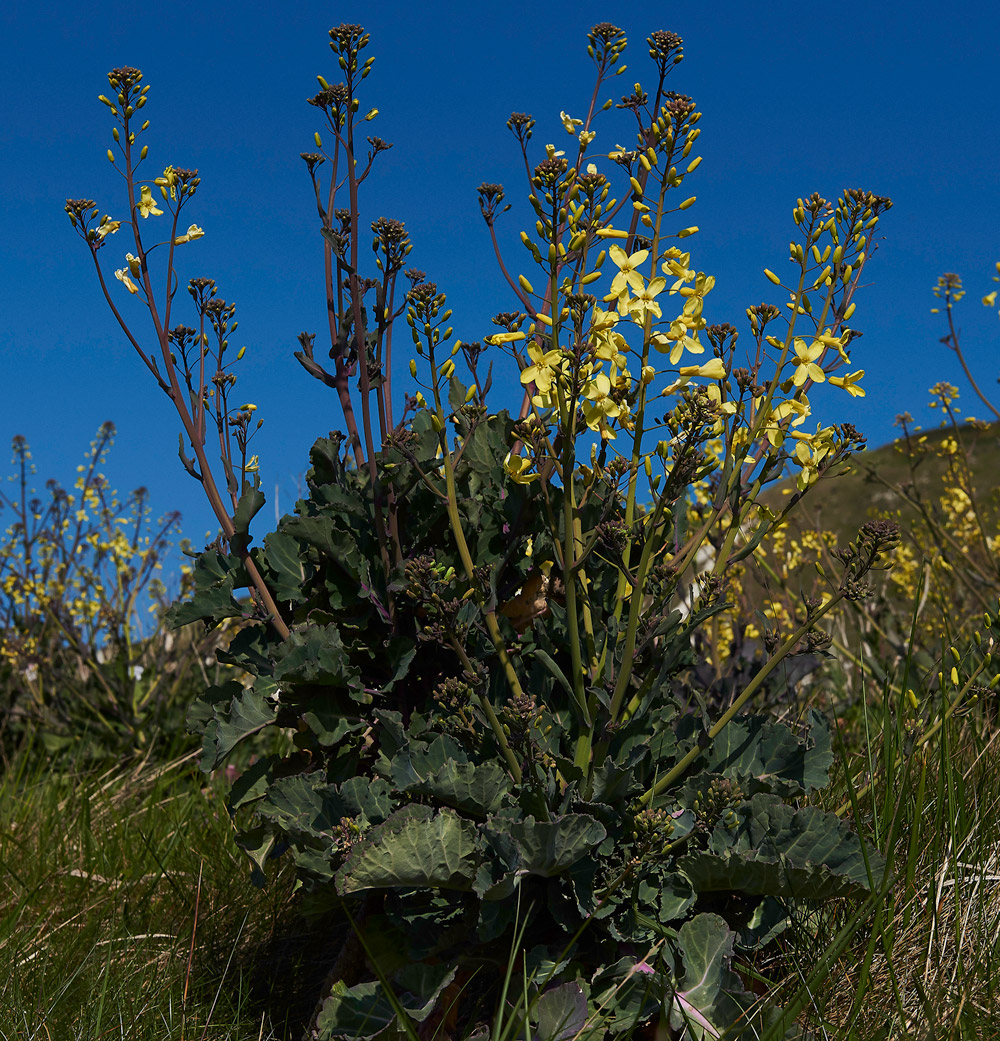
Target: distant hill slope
[[843, 504]]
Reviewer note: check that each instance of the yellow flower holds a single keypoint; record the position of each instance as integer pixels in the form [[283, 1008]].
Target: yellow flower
[[569, 123], [644, 301], [500, 338], [133, 264], [713, 370], [193, 232], [677, 341], [168, 180], [543, 369], [628, 275], [122, 275], [806, 367], [147, 205], [517, 468], [850, 383], [108, 226]]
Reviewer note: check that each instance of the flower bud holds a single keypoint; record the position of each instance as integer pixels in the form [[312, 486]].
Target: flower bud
[[772, 277], [318, 140], [413, 368]]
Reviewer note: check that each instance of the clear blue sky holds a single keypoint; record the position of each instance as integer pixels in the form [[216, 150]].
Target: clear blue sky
[[898, 98]]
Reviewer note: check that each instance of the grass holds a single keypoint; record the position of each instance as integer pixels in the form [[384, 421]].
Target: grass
[[125, 911]]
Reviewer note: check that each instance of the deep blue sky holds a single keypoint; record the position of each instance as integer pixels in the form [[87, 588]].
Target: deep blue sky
[[899, 98]]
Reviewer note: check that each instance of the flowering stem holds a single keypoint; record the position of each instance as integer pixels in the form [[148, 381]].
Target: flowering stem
[[470, 570]]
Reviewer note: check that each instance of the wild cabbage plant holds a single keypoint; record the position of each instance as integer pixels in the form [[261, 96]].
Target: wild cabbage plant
[[503, 755]]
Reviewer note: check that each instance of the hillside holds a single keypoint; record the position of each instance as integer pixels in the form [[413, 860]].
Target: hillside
[[843, 504]]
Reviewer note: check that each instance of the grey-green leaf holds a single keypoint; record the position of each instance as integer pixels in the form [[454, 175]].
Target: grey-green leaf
[[411, 850], [248, 713], [709, 1000], [561, 1012], [777, 850], [548, 847]]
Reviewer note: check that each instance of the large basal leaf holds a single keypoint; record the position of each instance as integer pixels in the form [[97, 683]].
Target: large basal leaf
[[777, 850], [708, 1001], [416, 762], [628, 992], [316, 655], [561, 1013], [249, 712], [413, 850], [475, 789], [286, 570], [303, 804], [215, 578], [770, 753], [331, 537], [366, 1010], [547, 848]]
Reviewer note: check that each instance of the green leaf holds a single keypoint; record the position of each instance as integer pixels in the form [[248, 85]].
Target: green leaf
[[629, 992], [474, 789], [547, 848], [777, 850], [709, 1000], [365, 1010], [316, 654], [286, 572], [215, 578], [250, 504], [412, 850], [247, 713], [303, 803], [415, 763], [770, 753], [561, 1013]]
